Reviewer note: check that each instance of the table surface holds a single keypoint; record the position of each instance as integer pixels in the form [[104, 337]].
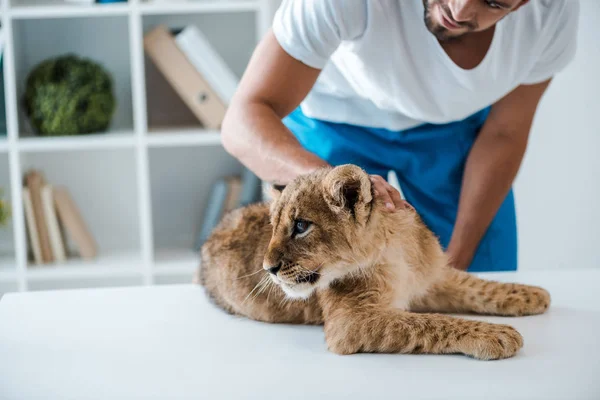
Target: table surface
[[171, 342]]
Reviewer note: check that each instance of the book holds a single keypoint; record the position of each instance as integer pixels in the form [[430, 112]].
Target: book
[[1, 43], [225, 197], [234, 185], [251, 186], [34, 181], [208, 62], [56, 240], [75, 226], [32, 232], [212, 212], [189, 84]]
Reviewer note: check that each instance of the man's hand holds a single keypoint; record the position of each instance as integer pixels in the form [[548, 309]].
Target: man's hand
[[459, 261], [388, 194]]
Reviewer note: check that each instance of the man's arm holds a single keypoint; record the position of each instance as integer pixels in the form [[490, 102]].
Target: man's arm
[[491, 167], [273, 85]]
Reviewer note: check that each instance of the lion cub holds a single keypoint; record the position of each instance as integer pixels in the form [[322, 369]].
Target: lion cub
[[377, 280]]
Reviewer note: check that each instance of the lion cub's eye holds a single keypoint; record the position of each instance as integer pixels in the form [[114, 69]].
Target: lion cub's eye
[[300, 227]]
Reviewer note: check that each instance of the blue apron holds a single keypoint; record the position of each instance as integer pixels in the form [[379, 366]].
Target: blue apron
[[429, 162]]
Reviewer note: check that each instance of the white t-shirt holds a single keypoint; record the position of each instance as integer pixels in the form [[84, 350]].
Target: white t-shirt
[[381, 67]]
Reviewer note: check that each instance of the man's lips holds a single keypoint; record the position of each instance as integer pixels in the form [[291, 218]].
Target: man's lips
[[447, 21]]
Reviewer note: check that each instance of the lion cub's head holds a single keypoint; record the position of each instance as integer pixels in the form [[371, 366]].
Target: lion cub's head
[[320, 229]]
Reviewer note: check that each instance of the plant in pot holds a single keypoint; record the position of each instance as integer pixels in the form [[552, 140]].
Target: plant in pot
[[69, 95]]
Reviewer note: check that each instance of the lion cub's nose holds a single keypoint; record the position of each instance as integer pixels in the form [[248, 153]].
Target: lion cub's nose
[[274, 269]]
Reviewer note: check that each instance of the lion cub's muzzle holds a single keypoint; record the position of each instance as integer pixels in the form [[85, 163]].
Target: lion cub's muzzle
[[292, 274]]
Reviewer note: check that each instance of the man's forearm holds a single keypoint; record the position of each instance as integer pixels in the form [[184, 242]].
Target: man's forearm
[[255, 135], [489, 172]]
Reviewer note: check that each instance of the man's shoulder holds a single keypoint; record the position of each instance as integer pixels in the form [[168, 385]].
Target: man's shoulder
[[546, 31], [544, 15]]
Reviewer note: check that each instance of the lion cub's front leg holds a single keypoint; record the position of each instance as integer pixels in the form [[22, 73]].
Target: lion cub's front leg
[[356, 321], [395, 331]]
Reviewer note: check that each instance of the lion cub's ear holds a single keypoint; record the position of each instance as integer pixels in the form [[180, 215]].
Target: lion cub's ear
[[348, 188], [275, 190]]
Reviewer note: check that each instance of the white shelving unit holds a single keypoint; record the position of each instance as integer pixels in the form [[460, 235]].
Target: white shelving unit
[[142, 185]]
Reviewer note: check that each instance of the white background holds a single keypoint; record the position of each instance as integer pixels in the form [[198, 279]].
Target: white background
[[558, 187]]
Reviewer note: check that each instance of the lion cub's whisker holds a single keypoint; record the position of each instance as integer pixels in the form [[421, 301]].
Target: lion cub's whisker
[[246, 276], [262, 288], [266, 277]]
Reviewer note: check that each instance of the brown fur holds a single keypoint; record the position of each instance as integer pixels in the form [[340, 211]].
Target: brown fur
[[382, 280]]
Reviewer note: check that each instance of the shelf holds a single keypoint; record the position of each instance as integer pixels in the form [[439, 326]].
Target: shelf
[[142, 186], [182, 137], [7, 276], [181, 7], [116, 264], [111, 140], [68, 11], [176, 262], [7, 269]]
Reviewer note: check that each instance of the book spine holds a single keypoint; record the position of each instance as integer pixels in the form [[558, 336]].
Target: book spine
[[213, 212], [34, 183], [56, 242], [250, 188], [69, 216], [207, 61], [189, 84], [32, 231]]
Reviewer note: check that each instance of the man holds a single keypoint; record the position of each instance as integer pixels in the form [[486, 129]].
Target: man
[[443, 92]]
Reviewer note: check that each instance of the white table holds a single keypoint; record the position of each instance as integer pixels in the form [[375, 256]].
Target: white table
[[170, 342]]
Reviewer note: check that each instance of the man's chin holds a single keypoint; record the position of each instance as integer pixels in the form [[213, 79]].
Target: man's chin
[[444, 35]]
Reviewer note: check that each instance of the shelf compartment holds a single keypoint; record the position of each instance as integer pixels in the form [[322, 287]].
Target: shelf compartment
[[103, 185], [113, 264], [184, 137], [109, 140], [175, 7], [181, 179], [58, 9], [165, 109], [104, 40]]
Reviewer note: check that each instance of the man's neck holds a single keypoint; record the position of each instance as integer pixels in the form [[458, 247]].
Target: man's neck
[[470, 49]]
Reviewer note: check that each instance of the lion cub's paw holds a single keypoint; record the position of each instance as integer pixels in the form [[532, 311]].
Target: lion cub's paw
[[525, 300], [491, 342]]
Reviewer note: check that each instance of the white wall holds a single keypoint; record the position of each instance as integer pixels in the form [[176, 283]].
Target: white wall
[[558, 187]]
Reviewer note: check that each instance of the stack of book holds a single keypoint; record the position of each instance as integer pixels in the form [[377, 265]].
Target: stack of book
[[52, 217], [194, 69]]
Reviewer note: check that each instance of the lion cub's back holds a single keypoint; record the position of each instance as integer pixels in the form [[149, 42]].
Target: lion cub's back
[[235, 249]]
